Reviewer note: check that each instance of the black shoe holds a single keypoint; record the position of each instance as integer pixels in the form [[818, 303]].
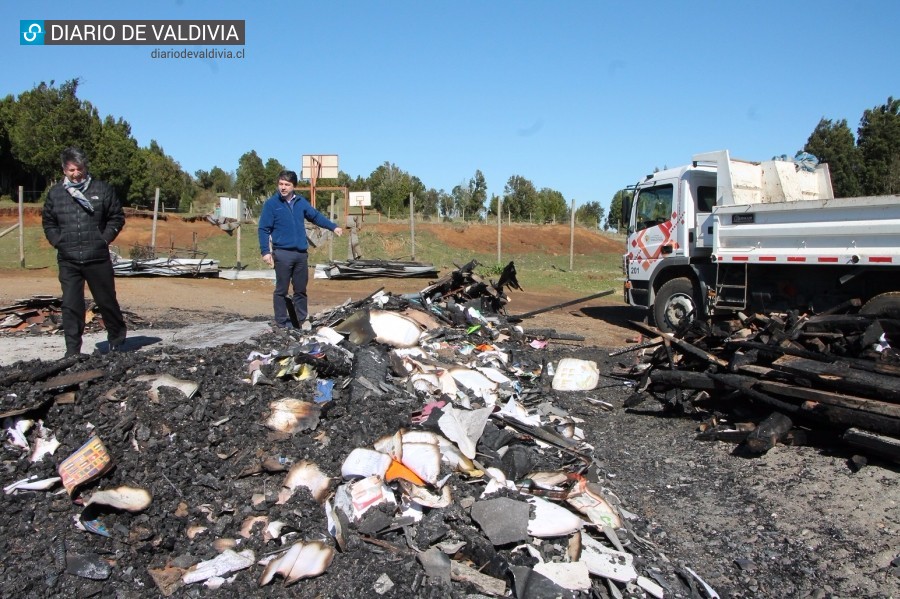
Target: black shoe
[[72, 353]]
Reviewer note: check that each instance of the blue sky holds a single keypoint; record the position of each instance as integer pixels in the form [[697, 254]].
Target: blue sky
[[584, 97]]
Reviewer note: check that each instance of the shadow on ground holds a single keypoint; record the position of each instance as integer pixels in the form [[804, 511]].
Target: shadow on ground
[[617, 315]]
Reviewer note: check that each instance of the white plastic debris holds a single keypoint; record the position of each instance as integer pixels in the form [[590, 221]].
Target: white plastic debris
[[551, 520], [364, 462], [588, 499], [383, 585], [45, 444], [16, 429], [328, 335], [291, 416], [31, 484], [464, 427], [302, 560], [229, 561], [424, 459], [305, 474], [132, 499], [394, 329], [650, 587], [608, 563], [480, 385], [188, 388], [569, 575], [573, 374]]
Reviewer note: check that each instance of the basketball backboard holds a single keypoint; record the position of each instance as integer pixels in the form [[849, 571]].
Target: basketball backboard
[[320, 166], [360, 198]]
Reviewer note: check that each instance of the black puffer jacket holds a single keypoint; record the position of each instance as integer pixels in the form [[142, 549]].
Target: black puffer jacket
[[77, 235]]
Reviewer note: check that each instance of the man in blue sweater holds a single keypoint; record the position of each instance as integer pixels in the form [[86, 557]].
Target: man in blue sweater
[[282, 222]]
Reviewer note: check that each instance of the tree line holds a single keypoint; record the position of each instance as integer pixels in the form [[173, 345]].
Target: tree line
[[39, 123], [865, 165]]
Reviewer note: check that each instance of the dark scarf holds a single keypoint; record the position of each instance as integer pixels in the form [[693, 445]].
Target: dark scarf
[[76, 190]]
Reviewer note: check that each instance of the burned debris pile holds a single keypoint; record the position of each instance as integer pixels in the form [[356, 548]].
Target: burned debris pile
[[832, 372], [41, 314], [364, 269], [406, 446]]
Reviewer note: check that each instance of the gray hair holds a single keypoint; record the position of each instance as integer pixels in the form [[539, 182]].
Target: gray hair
[[73, 155]]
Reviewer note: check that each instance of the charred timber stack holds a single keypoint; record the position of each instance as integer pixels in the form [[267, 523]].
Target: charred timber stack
[[839, 372]]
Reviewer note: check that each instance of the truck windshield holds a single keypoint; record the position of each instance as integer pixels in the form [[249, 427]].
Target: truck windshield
[[653, 206]]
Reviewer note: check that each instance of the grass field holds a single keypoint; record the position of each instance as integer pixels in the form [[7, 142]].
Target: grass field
[[540, 253]]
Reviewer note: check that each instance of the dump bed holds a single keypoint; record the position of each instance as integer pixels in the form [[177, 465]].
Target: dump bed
[[862, 231], [743, 183]]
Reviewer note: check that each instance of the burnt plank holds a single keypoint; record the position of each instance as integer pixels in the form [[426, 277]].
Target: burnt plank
[[681, 344], [887, 447], [842, 377]]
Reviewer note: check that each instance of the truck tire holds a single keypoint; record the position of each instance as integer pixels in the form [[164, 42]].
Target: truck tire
[[675, 301], [884, 304]]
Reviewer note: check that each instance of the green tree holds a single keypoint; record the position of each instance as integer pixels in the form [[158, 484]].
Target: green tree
[[590, 214], [445, 204], [151, 168], [832, 143], [272, 169], [519, 198], [551, 206], [223, 181], [45, 121], [878, 139], [429, 204], [250, 181], [113, 155], [616, 220], [461, 195], [477, 194], [390, 187]]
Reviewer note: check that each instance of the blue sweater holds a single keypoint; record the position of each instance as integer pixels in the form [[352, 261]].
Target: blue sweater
[[286, 225]]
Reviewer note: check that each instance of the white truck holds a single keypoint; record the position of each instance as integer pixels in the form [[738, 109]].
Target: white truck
[[722, 234]]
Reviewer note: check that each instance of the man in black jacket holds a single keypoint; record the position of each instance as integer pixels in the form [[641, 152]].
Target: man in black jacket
[[81, 218]]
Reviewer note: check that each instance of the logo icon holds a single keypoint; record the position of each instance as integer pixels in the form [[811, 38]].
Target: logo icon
[[32, 33]]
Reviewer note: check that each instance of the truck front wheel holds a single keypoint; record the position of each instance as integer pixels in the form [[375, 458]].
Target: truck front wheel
[[676, 301], [886, 305]]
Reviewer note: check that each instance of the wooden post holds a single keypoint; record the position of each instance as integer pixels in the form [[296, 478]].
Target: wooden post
[[331, 237], [572, 238], [499, 225], [155, 214], [21, 227], [412, 223], [237, 234]]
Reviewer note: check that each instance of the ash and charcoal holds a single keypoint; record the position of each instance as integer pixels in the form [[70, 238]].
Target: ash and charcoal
[[250, 459]]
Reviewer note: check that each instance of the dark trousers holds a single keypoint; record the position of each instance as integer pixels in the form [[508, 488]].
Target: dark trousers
[[291, 269], [100, 280]]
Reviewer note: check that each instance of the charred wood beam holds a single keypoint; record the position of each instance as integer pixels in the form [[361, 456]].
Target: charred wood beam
[[553, 334], [769, 432], [842, 377], [681, 344], [780, 350], [520, 317], [686, 379], [887, 447], [848, 402], [746, 384], [39, 374]]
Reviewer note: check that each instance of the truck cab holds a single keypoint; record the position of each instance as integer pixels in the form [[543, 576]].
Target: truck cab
[[669, 232]]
